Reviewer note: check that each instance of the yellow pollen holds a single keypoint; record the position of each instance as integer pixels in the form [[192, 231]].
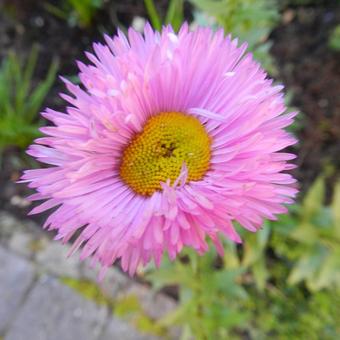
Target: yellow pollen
[[157, 154]]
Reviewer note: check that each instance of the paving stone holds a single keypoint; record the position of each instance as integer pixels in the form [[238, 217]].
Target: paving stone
[[118, 285], [120, 330], [8, 225], [21, 243], [16, 276], [53, 259], [54, 311], [155, 305], [114, 282]]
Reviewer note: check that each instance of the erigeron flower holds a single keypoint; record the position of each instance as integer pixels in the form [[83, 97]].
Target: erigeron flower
[[169, 140]]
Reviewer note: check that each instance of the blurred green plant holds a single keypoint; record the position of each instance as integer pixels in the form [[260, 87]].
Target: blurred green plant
[[209, 297], [249, 20], [283, 283], [75, 12], [334, 39], [289, 312], [174, 14], [313, 240], [129, 308], [21, 99]]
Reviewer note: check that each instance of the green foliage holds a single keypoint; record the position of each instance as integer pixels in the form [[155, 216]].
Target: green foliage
[[334, 39], [174, 14], [130, 308], [153, 14], [254, 256], [315, 241], [80, 13], [285, 312], [285, 283], [249, 20], [21, 99], [209, 297]]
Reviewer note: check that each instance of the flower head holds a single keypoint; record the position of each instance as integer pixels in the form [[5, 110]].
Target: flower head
[[170, 139]]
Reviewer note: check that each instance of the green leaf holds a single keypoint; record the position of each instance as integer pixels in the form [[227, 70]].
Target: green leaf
[[231, 259], [305, 233], [334, 39], [171, 274], [153, 14], [261, 274], [175, 316], [254, 246], [24, 82], [186, 333], [19, 102], [306, 266], [336, 208], [329, 273], [38, 95], [312, 203], [174, 15]]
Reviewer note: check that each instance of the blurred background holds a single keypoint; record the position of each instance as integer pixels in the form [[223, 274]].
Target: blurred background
[[283, 283]]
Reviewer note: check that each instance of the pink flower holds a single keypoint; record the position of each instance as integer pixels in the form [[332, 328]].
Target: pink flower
[[170, 140]]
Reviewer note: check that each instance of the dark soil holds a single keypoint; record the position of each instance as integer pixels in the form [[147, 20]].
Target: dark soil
[[311, 70], [307, 66]]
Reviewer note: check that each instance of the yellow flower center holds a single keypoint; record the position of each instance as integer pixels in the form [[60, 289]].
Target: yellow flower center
[[157, 154]]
